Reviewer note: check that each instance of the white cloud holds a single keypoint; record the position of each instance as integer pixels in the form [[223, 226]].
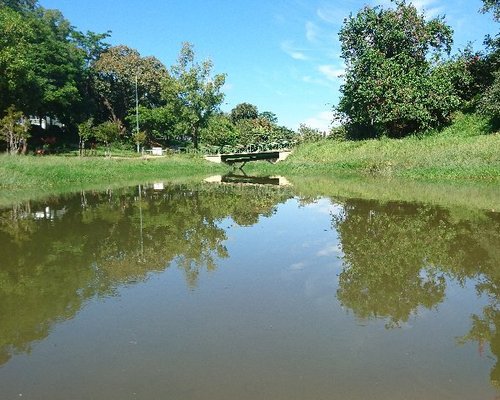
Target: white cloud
[[332, 15], [331, 72], [330, 250], [312, 32], [321, 121], [430, 8], [293, 52]]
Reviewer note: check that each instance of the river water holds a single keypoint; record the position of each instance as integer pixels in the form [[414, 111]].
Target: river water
[[232, 291]]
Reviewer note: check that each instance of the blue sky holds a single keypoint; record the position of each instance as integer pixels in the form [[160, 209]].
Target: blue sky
[[281, 55]]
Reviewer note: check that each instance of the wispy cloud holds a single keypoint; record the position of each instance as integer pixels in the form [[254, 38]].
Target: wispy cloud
[[312, 32], [330, 250], [331, 72], [321, 121], [292, 51], [430, 8], [332, 15]]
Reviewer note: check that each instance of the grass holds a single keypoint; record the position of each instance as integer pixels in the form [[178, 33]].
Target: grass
[[34, 177], [460, 152], [461, 159]]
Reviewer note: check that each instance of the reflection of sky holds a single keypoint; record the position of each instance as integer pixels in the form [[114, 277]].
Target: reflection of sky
[[265, 323]]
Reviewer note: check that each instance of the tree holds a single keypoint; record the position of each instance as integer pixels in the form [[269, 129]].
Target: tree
[[270, 116], [14, 129], [489, 103], [115, 81], [85, 132], [20, 5], [392, 86], [308, 134], [244, 111], [40, 66], [492, 6], [194, 92], [219, 132], [107, 132]]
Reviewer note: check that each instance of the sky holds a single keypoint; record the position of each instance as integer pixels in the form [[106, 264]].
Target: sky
[[280, 55]]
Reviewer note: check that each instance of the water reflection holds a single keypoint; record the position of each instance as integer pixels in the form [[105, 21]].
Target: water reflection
[[397, 256], [394, 260], [242, 178], [59, 253]]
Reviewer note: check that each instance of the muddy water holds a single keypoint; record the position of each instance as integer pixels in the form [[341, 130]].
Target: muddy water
[[246, 292]]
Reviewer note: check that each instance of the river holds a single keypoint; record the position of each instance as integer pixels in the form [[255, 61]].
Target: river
[[247, 291]]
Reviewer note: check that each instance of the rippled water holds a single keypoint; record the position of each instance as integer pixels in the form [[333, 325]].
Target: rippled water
[[246, 292]]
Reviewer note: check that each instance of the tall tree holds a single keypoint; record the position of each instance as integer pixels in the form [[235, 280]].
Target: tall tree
[[391, 86], [489, 103], [195, 93], [14, 129], [244, 111], [492, 6], [40, 66], [116, 71], [20, 5]]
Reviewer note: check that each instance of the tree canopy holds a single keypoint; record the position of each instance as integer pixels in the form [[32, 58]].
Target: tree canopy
[[393, 82]]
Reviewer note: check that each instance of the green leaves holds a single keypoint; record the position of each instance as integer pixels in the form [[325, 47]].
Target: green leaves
[[391, 88]]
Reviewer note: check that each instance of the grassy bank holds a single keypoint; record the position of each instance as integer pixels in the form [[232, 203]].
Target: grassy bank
[[461, 152], [34, 177], [462, 160]]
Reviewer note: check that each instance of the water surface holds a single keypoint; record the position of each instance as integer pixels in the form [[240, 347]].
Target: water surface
[[246, 292]]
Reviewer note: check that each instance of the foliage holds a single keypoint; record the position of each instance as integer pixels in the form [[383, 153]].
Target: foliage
[[270, 116], [85, 132], [259, 133], [139, 137], [219, 132], [489, 104], [308, 134], [391, 88], [194, 93], [492, 6], [244, 111], [40, 67], [107, 132], [158, 123], [14, 129], [116, 72], [20, 5]]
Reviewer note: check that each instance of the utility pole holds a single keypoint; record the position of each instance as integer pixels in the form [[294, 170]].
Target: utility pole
[[136, 113]]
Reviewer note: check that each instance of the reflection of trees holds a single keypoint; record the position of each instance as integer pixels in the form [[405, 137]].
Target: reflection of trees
[[89, 244], [396, 258]]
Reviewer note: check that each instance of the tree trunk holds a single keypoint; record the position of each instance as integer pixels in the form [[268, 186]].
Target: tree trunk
[[194, 134]]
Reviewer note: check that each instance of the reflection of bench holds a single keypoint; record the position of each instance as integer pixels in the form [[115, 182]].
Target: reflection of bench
[[155, 151]]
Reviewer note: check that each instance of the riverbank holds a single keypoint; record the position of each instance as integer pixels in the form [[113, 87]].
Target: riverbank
[[462, 152], [462, 156], [34, 177]]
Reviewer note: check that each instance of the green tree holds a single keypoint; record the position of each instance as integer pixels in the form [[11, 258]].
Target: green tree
[[40, 65], [392, 86], [115, 73], [107, 132], [85, 132], [219, 132], [270, 116], [489, 103], [244, 111], [20, 5], [194, 92], [158, 123], [308, 134], [492, 6], [14, 129]]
